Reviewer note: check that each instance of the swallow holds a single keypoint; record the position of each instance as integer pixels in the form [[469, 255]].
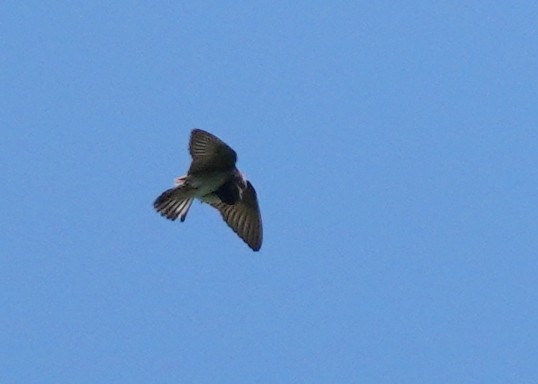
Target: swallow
[[214, 179]]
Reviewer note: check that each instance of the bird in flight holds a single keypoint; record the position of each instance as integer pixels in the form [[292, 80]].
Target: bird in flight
[[214, 179]]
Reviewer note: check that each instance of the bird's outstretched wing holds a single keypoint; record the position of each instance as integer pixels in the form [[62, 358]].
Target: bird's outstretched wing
[[209, 153], [244, 218]]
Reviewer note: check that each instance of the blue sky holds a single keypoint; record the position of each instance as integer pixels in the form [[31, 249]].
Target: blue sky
[[393, 146]]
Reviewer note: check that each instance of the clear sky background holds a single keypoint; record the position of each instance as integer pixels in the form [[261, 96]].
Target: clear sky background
[[394, 148]]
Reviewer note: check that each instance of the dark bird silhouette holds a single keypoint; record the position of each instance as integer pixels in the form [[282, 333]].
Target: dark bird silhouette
[[214, 179]]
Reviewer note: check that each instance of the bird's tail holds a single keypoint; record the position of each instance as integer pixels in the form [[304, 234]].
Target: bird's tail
[[175, 202]]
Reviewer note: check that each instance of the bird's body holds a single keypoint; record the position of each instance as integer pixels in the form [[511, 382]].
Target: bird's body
[[214, 179]]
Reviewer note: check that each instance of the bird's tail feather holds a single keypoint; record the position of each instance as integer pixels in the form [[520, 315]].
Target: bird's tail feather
[[175, 202]]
